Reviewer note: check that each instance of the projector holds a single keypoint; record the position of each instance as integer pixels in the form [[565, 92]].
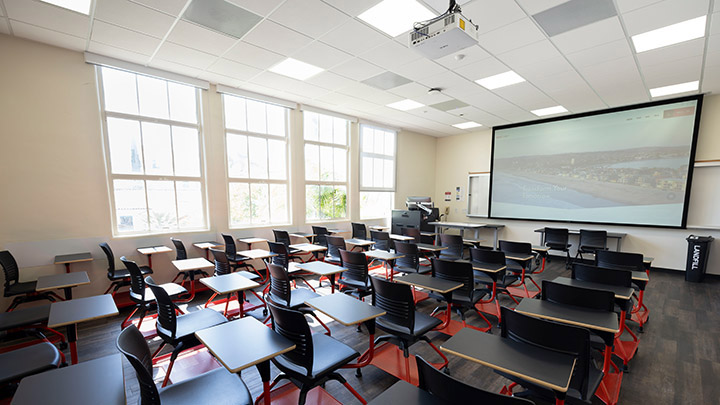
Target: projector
[[444, 36]]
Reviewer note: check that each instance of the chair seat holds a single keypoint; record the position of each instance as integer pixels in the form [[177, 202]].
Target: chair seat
[[483, 278], [24, 317], [328, 355], [421, 270], [355, 283], [237, 258], [293, 268], [192, 322], [332, 259], [590, 249], [450, 257], [20, 288], [298, 297], [423, 324], [462, 298], [219, 387], [558, 246], [172, 289], [121, 274], [28, 360]]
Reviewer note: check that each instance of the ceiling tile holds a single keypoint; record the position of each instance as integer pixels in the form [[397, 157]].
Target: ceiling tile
[[357, 69], [252, 55], [185, 56], [117, 53], [276, 81], [589, 36], [175, 67], [715, 22], [530, 54], [391, 55], [544, 68], [512, 36], [338, 99], [329, 80], [118, 37], [321, 55], [261, 7], [666, 54], [612, 68], [49, 18], [311, 17], [217, 78], [463, 57], [574, 14], [354, 37], [536, 6], [410, 90], [673, 72], [233, 69], [419, 69], [432, 114], [134, 17], [525, 95], [430, 99], [196, 37], [492, 14], [28, 31], [561, 83], [4, 26], [482, 69], [622, 91], [609, 51], [371, 94], [352, 8], [276, 38], [711, 80], [386, 81], [172, 7], [446, 80], [625, 6], [662, 14]]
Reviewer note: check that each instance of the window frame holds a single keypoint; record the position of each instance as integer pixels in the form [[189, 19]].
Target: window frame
[[111, 177], [390, 190]]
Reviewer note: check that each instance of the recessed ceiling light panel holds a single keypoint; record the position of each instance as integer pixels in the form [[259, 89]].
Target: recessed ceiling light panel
[[670, 35], [79, 6], [675, 89], [394, 17], [558, 109], [296, 69], [222, 17], [405, 105], [467, 125], [501, 80]]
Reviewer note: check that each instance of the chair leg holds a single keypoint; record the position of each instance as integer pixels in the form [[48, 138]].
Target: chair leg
[[180, 347], [127, 321], [158, 350]]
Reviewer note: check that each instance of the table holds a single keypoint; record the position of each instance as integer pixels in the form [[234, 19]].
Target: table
[[70, 313], [405, 393], [465, 225], [259, 345], [386, 257], [250, 241], [206, 246], [66, 281], [620, 292], [93, 382], [257, 254], [308, 247], [151, 250], [188, 267], [308, 235], [543, 367], [401, 238], [73, 258], [361, 243], [610, 235], [228, 284], [444, 287], [323, 269]]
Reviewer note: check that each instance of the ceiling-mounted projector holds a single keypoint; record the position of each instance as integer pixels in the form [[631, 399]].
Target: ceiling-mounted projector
[[443, 35]]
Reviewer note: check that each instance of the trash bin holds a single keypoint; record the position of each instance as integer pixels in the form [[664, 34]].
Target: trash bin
[[697, 257]]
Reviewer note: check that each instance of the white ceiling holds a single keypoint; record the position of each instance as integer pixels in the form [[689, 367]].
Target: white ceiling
[[589, 68]]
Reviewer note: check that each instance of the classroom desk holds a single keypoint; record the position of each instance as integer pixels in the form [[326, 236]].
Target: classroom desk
[[72, 258], [543, 367], [260, 254], [206, 246], [259, 345], [188, 268], [576, 232], [378, 227], [361, 243], [350, 311], [228, 284], [323, 269], [444, 287], [70, 313], [66, 281], [308, 248], [386, 257], [426, 247], [543, 252], [250, 241], [151, 250], [93, 382], [463, 226], [525, 261], [401, 238], [623, 293], [307, 235], [405, 393]]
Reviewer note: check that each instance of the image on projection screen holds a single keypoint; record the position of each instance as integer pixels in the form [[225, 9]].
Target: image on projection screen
[[627, 167]]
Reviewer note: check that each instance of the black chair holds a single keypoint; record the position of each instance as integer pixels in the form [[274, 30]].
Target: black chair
[[217, 386], [524, 269], [608, 259], [556, 337], [590, 242], [465, 297], [283, 259], [359, 231], [316, 357], [32, 322], [321, 234], [497, 282], [283, 237], [23, 292], [20, 363], [223, 267], [141, 295], [281, 293], [237, 260], [355, 281], [455, 247], [181, 254], [411, 262], [382, 240], [451, 390], [179, 331], [557, 239], [335, 245], [414, 233], [118, 277], [405, 325]]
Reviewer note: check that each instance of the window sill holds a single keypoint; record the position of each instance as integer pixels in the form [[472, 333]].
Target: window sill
[[161, 233]]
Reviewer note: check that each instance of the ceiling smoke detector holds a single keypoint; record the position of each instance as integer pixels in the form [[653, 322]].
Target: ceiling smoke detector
[[435, 90]]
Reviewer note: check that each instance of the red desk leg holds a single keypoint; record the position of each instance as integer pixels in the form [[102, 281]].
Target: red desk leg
[[67, 267], [149, 260], [72, 340]]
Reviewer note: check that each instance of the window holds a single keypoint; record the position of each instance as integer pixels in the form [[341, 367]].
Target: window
[[326, 166], [377, 171], [155, 163], [256, 144]]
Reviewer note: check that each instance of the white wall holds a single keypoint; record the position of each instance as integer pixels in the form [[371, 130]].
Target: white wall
[[458, 155]]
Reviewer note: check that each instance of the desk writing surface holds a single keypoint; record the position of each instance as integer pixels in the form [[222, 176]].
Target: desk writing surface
[[546, 368], [648, 259], [424, 233], [228, 283], [543, 249], [604, 321], [92, 382], [614, 235], [196, 263], [308, 247], [321, 268], [250, 241], [73, 258], [154, 249], [402, 393], [79, 310], [345, 309], [429, 283], [256, 254], [518, 257], [468, 225], [382, 255], [207, 245], [487, 267], [243, 342], [620, 292], [401, 238], [640, 276], [63, 280], [359, 242], [430, 248], [307, 235]]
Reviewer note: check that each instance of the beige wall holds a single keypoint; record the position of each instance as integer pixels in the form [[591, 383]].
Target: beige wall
[[52, 169]]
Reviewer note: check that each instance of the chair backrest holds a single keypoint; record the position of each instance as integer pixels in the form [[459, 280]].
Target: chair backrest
[[486, 255], [556, 237], [411, 255], [598, 300], [282, 236], [230, 248], [454, 244], [282, 254], [321, 234], [292, 325], [222, 264], [335, 244], [507, 246], [356, 265], [381, 239], [619, 260], [590, 239], [137, 283], [414, 232], [359, 231], [132, 344], [397, 300], [110, 258], [180, 252], [451, 390], [279, 285], [167, 319], [10, 268], [601, 275], [458, 271], [552, 336]]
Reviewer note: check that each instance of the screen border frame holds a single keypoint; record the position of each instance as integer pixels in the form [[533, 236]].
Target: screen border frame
[[691, 163]]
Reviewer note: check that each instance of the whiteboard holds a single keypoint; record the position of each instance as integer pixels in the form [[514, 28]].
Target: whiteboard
[[478, 191], [704, 208]]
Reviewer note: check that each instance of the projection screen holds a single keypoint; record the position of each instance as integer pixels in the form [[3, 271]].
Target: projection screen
[[622, 166]]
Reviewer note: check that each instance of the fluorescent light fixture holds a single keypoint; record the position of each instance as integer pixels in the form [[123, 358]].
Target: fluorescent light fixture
[[405, 105], [672, 34], [296, 69], [394, 17], [467, 125], [675, 89], [549, 111], [501, 80], [80, 6]]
